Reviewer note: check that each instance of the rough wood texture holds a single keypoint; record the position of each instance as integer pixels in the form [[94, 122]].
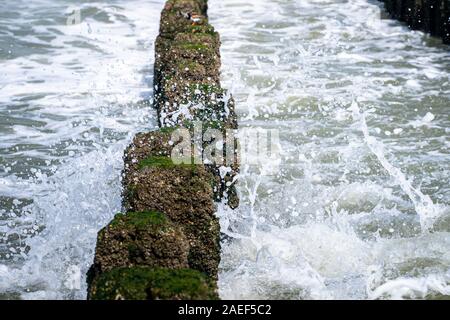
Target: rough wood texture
[[431, 16], [166, 245]]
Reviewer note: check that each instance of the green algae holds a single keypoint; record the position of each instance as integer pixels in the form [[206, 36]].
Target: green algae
[[193, 46], [139, 219], [190, 65], [143, 283], [205, 122], [167, 129], [202, 29], [206, 89], [156, 161], [163, 162], [144, 263]]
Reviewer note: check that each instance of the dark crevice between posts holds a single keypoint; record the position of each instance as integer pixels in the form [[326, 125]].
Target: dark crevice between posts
[[167, 244], [431, 16]]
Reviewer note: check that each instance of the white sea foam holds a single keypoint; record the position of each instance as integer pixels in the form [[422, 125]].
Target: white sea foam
[[359, 206], [73, 107]]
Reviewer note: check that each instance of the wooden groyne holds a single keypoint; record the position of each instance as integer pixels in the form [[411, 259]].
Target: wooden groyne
[[431, 16], [166, 243]]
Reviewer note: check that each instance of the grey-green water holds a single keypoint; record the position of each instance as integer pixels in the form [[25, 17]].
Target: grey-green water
[[72, 94], [360, 206]]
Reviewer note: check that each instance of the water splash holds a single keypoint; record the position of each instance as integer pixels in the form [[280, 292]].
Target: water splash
[[68, 120], [339, 207], [428, 211]]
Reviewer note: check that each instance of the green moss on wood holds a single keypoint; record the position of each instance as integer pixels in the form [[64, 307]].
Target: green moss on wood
[[190, 65], [203, 29], [164, 163], [156, 161], [167, 129], [206, 124], [193, 46], [206, 89], [144, 255], [210, 36], [139, 219], [142, 283]]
